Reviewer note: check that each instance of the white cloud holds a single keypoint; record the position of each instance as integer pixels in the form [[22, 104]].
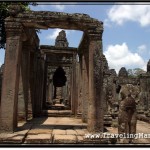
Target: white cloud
[[142, 49], [107, 23], [123, 13], [59, 7], [120, 56], [55, 33]]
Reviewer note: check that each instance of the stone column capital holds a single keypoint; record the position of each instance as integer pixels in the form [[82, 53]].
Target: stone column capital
[[95, 34], [13, 28]]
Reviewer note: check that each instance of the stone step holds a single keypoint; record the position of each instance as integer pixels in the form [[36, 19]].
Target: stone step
[[49, 123], [57, 113], [57, 107]]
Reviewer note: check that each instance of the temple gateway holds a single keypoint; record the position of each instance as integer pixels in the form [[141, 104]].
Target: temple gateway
[[47, 78], [57, 81]]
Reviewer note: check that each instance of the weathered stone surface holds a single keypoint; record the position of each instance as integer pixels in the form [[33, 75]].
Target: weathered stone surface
[[95, 111], [39, 138], [1, 78], [43, 19], [71, 132], [11, 138], [148, 66], [15, 9], [65, 139], [8, 114], [127, 110], [58, 131], [80, 139], [123, 72], [80, 132], [40, 131], [61, 40]]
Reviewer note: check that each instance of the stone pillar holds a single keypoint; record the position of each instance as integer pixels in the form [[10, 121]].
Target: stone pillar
[[95, 109], [80, 86], [51, 89], [9, 101], [24, 93], [74, 87], [21, 101], [1, 79], [38, 85], [85, 85], [31, 85], [45, 70]]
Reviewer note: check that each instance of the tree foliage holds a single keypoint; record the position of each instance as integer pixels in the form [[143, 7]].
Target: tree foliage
[[135, 72], [4, 6]]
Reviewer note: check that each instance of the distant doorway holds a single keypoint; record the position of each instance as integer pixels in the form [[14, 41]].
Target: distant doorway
[[59, 80]]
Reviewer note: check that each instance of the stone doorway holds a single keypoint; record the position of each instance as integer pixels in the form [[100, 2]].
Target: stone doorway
[[59, 80], [58, 89], [27, 60]]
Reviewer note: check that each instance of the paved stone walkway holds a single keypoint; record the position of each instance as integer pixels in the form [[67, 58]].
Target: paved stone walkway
[[61, 130], [57, 130]]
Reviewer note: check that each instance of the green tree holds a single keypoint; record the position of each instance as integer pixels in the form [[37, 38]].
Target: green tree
[[4, 13], [135, 72]]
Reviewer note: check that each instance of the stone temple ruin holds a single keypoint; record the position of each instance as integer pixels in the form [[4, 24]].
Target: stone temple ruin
[[28, 67], [49, 81]]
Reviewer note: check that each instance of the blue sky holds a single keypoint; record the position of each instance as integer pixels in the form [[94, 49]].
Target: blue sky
[[126, 36]]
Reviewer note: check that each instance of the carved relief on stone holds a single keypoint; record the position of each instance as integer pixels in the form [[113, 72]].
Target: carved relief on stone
[[53, 58]]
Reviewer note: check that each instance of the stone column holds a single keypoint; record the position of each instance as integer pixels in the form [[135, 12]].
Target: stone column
[[95, 109], [74, 89], [9, 101], [24, 93], [85, 91], [45, 69], [38, 85], [31, 85], [80, 86]]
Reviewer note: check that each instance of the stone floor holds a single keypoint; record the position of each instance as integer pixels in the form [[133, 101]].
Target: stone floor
[[142, 127], [48, 130], [60, 130]]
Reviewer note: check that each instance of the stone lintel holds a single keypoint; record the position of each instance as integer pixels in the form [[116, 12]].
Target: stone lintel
[[52, 48], [47, 19]]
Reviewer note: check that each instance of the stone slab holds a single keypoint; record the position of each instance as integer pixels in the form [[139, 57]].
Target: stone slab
[[71, 132], [40, 131], [12, 138], [80, 139], [58, 131], [65, 139], [80, 132], [39, 138]]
